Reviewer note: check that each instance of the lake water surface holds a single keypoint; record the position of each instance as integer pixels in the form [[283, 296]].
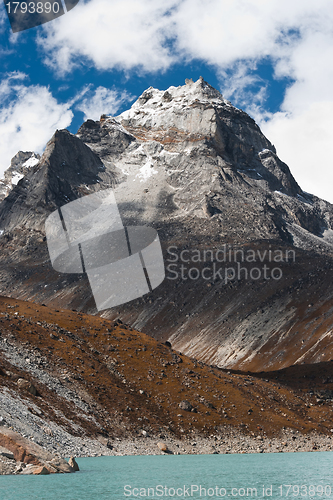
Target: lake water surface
[[276, 476]]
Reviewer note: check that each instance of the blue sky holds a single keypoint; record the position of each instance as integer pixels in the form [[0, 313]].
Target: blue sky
[[272, 58]]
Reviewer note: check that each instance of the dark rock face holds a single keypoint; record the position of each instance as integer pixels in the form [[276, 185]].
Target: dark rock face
[[191, 165], [64, 173], [101, 135]]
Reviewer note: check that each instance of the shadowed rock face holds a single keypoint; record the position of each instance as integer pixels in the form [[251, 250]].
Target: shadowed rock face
[[191, 165], [63, 173]]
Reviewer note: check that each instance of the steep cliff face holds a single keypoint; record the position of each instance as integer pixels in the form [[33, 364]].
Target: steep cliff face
[[248, 254], [63, 174]]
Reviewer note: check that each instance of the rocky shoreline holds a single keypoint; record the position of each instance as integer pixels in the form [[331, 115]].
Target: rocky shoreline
[[232, 441], [22, 456]]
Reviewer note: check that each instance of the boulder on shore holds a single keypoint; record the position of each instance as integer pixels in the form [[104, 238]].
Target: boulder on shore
[[35, 470], [163, 447], [72, 462], [60, 465]]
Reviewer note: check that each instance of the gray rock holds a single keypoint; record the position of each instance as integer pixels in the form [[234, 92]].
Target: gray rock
[[163, 447], [72, 462], [20, 165], [6, 453], [26, 385], [185, 405], [35, 470]]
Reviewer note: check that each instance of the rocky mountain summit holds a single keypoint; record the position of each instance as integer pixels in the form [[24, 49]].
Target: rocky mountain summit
[[19, 167], [248, 254], [194, 154]]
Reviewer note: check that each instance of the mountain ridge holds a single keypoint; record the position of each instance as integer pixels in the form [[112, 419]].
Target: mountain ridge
[[189, 164]]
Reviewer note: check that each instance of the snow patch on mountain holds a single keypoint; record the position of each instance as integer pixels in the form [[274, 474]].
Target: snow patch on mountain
[[175, 99], [146, 171], [31, 162], [16, 177]]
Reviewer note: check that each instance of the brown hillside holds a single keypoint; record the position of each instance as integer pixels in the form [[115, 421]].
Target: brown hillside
[[130, 382]]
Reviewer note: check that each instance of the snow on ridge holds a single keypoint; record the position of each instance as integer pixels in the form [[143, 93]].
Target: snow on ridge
[[282, 194], [110, 121], [328, 236], [154, 101], [31, 162], [265, 150], [303, 200], [16, 177]]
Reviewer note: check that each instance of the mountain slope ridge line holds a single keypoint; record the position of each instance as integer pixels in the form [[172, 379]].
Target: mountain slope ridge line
[[224, 188]]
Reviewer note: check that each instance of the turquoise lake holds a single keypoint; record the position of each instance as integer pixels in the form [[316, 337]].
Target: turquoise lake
[[287, 475]]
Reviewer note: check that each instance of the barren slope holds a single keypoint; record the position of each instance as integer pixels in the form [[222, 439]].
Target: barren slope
[[97, 378]]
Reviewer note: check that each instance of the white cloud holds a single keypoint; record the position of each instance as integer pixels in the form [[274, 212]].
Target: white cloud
[[2, 20], [138, 33], [121, 33], [304, 140], [224, 32], [238, 85], [303, 130], [29, 115], [102, 101]]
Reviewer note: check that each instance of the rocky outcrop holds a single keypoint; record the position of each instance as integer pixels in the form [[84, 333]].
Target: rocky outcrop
[[37, 461], [67, 170]]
